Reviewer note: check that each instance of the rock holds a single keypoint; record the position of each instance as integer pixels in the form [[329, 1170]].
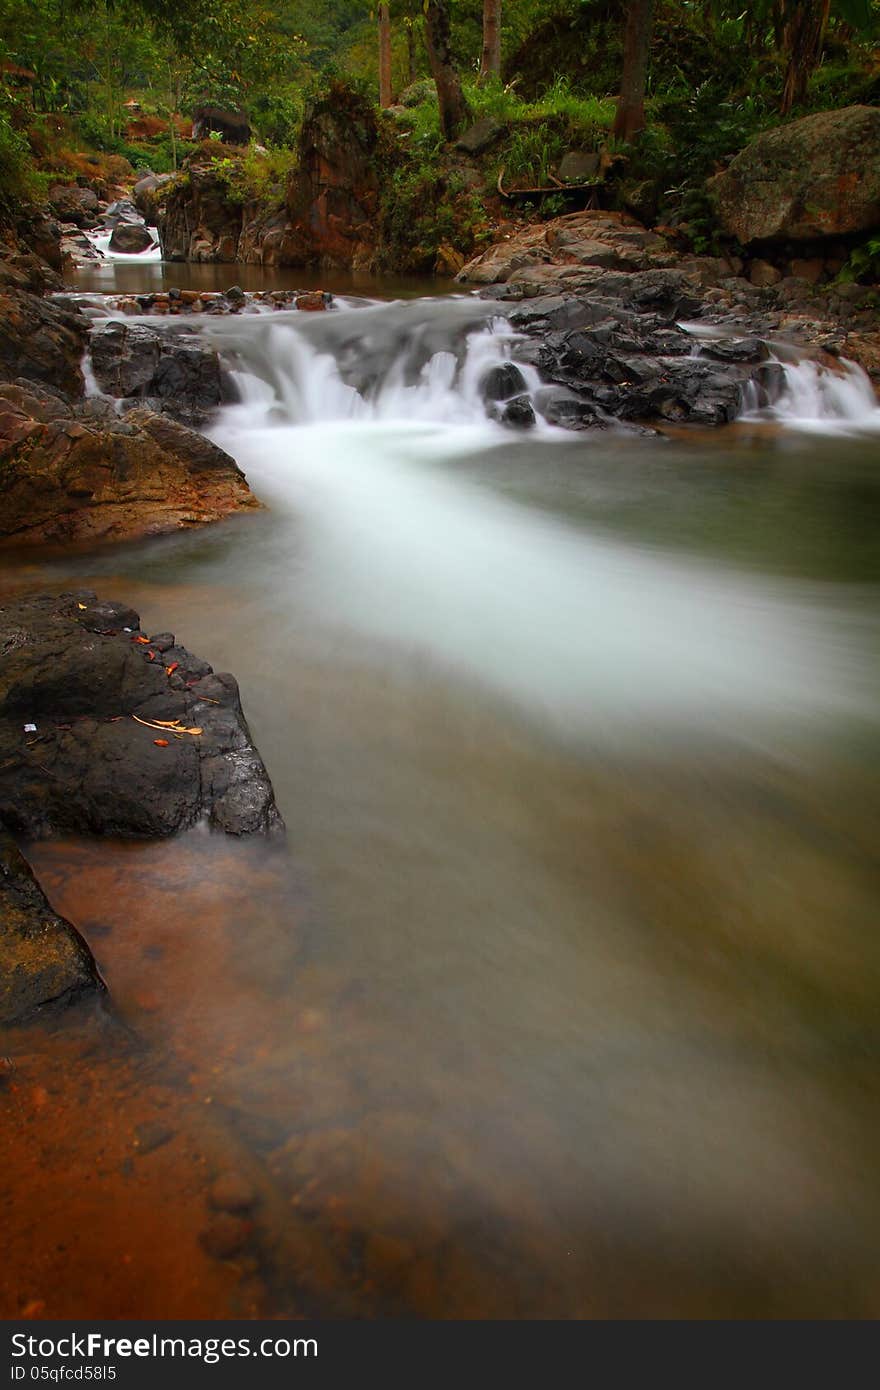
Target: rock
[[224, 1237], [176, 374], [333, 193], [864, 348], [502, 382], [232, 126], [518, 413], [39, 340], [152, 1135], [591, 239], [313, 301], [200, 221], [94, 769], [481, 136], [763, 274], [73, 204], [815, 177], [449, 261], [44, 962], [810, 269], [577, 166], [231, 1192], [131, 238], [80, 472]]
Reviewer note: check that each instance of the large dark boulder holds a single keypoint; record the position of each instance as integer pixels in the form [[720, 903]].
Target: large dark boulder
[[173, 373], [815, 177], [131, 238], [101, 758], [44, 962]]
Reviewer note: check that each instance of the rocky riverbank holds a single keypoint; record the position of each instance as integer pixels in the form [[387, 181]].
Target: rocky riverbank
[[105, 730]]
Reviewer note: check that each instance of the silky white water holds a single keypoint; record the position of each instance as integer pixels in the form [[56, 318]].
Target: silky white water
[[360, 424]]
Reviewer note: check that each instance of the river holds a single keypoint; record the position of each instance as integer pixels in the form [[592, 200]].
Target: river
[[561, 999]]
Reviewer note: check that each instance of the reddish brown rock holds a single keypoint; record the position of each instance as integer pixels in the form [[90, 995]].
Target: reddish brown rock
[[82, 473], [333, 196], [815, 177]]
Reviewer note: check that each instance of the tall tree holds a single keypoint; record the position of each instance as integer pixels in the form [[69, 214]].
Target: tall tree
[[490, 58], [384, 56], [454, 110], [630, 117], [803, 32]]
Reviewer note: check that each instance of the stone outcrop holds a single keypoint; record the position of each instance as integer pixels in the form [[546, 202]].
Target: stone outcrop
[[333, 195], [603, 361], [815, 177], [44, 962], [106, 756], [200, 221], [173, 373], [79, 472]]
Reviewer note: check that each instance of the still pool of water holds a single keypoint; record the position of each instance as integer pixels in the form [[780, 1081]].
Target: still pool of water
[[561, 998]]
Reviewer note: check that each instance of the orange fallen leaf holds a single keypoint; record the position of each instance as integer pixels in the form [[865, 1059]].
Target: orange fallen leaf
[[169, 670], [144, 640], [80, 605], [161, 742], [151, 655]]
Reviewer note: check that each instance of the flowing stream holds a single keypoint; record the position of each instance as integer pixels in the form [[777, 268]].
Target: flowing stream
[[562, 998]]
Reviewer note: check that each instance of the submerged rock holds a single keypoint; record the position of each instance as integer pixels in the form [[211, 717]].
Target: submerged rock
[[44, 962], [88, 742]]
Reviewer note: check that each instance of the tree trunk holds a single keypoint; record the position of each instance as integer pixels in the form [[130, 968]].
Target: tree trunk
[[630, 117], [803, 34], [384, 56], [411, 50], [490, 58], [454, 110]]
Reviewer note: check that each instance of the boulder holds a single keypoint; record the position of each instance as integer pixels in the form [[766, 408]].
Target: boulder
[[577, 166], [71, 203], [40, 340], [44, 962], [104, 757], [131, 238], [481, 136], [763, 274], [233, 127], [174, 372], [79, 472], [604, 240], [815, 177]]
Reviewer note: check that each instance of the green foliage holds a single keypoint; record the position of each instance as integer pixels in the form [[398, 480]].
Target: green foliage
[[863, 263], [17, 187]]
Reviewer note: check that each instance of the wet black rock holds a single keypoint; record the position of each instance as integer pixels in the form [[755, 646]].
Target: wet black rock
[[629, 360], [172, 373], [519, 413], [83, 743], [502, 382]]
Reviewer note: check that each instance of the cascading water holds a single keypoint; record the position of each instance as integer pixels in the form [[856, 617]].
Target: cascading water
[[363, 420], [818, 398], [400, 361]]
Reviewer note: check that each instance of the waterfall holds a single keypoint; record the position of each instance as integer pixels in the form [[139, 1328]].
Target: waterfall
[[808, 395], [422, 361]]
